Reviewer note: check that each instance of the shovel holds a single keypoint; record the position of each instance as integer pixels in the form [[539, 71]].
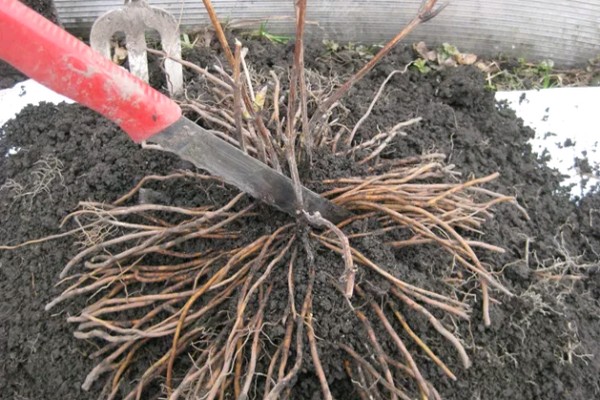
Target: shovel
[[58, 60]]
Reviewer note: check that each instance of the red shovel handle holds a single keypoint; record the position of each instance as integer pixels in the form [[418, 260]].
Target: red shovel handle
[[58, 60]]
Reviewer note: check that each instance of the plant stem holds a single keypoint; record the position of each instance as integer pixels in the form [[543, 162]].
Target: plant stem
[[425, 13], [237, 96], [297, 71]]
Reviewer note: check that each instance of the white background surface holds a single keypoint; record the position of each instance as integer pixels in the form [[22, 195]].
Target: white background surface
[[558, 115]]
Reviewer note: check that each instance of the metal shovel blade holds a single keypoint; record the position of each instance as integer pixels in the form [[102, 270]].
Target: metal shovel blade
[[206, 151]]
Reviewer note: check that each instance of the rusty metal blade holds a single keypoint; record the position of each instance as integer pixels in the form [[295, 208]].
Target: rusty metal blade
[[208, 152]]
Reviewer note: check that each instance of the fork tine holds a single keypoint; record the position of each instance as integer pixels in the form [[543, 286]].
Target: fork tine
[[134, 19]]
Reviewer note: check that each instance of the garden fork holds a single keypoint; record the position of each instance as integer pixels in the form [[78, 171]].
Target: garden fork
[[134, 19]]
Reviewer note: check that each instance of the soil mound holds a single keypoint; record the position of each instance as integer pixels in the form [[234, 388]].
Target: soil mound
[[543, 342]]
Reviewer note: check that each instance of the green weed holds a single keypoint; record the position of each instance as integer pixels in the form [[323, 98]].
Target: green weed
[[263, 32]]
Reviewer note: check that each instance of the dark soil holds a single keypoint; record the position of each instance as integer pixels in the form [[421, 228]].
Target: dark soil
[[543, 343], [10, 76], [43, 7]]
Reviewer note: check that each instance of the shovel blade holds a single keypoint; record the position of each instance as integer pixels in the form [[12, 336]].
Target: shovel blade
[[206, 151]]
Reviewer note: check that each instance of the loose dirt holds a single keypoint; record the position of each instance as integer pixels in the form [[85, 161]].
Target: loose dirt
[[543, 342], [10, 76]]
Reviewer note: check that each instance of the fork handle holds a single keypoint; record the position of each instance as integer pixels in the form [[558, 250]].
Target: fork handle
[[58, 60]]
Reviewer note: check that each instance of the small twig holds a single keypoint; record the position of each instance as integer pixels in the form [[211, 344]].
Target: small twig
[[247, 74], [237, 97], [306, 138], [276, 116], [374, 101], [266, 139], [248, 101], [199, 70], [486, 302], [379, 149], [206, 114], [160, 178]]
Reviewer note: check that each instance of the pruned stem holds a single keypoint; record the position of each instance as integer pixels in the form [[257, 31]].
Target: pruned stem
[[425, 13], [214, 20], [291, 134], [237, 96]]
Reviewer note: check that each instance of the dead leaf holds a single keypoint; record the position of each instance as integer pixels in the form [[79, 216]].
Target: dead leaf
[[431, 55], [465, 58], [423, 51], [259, 100], [449, 63]]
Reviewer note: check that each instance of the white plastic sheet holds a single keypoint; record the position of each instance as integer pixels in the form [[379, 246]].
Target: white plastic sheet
[[567, 125]]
